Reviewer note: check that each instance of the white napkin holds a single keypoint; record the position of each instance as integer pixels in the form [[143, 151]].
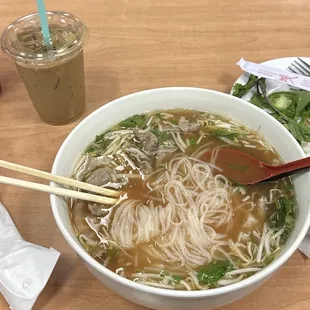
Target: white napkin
[[283, 76], [24, 267]]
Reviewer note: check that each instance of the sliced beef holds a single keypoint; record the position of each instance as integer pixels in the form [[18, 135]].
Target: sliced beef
[[97, 209], [136, 154], [100, 176], [146, 168], [142, 160], [189, 127], [164, 153], [148, 140], [91, 163]]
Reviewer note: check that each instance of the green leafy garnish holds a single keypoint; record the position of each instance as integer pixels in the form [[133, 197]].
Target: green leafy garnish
[[162, 136], [284, 216], [290, 108], [88, 244], [259, 101], [295, 131], [269, 259], [284, 212], [219, 132], [113, 251], [302, 102], [289, 187], [241, 90], [192, 141], [174, 121], [134, 121], [300, 131], [177, 279], [99, 145], [212, 273], [91, 149]]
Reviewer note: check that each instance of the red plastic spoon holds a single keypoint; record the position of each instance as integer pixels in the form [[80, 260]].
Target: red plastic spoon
[[246, 169]]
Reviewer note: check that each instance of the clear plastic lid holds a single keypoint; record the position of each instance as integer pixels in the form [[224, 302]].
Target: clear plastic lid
[[23, 40]]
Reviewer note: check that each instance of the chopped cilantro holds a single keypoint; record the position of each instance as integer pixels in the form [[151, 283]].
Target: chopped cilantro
[[112, 251], [241, 90], [134, 121], [99, 145], [212, 273], [174, 121], [177, 279], [162, 136], [219, 132], [192, 141], [284, 216]]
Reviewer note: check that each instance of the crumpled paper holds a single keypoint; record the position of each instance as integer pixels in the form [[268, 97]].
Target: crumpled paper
[[24, 267]]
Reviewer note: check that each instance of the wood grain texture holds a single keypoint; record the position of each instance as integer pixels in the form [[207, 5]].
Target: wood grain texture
[[136, 45]]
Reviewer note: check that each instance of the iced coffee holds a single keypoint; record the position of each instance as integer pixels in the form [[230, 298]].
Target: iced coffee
[[53, 74]]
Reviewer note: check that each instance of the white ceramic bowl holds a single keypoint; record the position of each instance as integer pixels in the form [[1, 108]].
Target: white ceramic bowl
[[169, 98]]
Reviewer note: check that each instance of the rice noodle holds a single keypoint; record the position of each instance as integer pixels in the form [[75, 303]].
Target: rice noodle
[[240, 271], [224, 282], [202, 149], [272, 195], [182, 228]]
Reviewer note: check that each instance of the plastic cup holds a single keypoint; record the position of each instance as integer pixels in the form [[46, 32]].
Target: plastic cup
[[53, 75]]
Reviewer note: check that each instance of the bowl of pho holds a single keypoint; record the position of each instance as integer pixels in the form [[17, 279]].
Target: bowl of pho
[[183, 235]]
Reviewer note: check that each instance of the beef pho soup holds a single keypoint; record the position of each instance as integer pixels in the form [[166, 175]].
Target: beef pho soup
[[181, 223]]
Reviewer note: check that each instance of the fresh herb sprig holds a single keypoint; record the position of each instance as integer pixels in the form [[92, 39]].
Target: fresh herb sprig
[[290, 108], [241, 90], [285, 213], [212, 273]]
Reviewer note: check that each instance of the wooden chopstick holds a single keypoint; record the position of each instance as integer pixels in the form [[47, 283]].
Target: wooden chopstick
[[59, 179], [58, 191]]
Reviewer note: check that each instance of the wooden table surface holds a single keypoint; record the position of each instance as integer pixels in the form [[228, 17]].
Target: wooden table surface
[[136, 45]]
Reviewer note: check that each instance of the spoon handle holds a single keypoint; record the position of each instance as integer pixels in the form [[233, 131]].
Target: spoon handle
[[292, 166]]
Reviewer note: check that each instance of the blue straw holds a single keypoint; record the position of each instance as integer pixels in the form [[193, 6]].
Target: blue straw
[[43, 21]]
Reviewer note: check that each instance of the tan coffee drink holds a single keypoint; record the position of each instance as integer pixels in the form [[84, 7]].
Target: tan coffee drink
[[53, 74]]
